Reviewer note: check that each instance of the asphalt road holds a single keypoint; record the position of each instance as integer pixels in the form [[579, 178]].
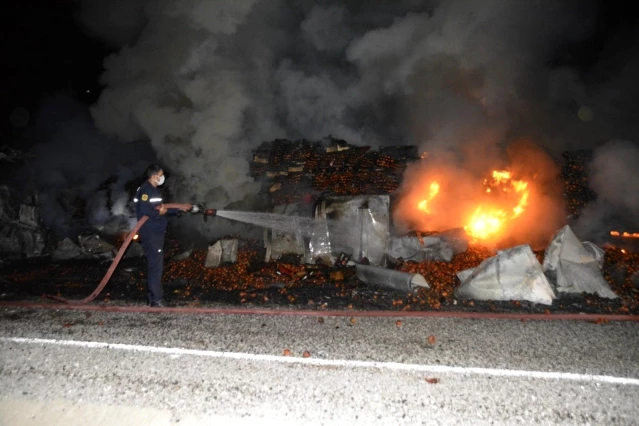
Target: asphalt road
[[69, 367]]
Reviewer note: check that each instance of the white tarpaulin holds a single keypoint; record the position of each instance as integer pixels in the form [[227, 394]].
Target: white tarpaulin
[[514, 274], [411, 248], [437, 247], [221, 252], [357, 225], [576, 269], [597, 252]]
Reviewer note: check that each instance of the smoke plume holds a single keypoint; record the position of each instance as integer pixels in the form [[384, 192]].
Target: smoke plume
[[207, 81], [72, 161], [614, 176]]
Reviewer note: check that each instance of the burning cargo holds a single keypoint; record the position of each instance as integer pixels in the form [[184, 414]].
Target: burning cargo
[[293, 171], [505, 207]]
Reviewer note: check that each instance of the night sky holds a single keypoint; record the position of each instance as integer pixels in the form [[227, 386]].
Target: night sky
[[204, 83], [45, 51]]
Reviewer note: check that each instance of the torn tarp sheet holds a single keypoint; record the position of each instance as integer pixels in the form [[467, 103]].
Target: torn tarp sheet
[[514, 274], [390, 278], [437, 247], [574, 267]]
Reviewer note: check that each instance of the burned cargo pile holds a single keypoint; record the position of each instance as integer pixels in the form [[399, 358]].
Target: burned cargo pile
[[574, 173], [293, 170]]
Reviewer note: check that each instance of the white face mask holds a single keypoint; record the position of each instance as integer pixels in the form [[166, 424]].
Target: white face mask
[[161, 180]]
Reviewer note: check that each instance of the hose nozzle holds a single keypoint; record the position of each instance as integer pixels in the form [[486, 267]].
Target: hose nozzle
[[201, 208]]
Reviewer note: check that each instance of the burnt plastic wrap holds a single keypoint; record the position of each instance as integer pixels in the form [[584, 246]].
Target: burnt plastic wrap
[[358, 226], [319, 246], [390, 278], [439, 247], [373, 236], [280, 243]]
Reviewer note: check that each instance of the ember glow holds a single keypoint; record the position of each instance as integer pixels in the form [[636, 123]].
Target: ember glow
[[624, 234]]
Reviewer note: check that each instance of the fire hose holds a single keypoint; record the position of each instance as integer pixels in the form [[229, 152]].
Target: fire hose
[[199, 208]]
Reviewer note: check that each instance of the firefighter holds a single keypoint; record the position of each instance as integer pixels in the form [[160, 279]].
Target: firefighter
[[149, 202]]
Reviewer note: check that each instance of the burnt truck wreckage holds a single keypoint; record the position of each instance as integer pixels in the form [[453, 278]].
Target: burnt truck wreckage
[[21, 230], [337, 183]]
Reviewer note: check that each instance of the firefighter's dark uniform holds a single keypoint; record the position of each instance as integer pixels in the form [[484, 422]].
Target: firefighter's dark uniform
[[152, 233]]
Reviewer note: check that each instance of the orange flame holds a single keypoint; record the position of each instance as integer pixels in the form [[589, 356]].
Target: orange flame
[[520, 203], [484, 224], [432, 193], [489, 218], [488, 221], [624, 234]]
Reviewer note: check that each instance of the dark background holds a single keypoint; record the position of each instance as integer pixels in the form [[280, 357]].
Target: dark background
[[45, 50]]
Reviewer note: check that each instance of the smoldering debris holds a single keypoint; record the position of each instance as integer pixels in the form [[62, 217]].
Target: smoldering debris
[[242, 270], [22, 232], [13, 156], [295, 171], [613, 178]]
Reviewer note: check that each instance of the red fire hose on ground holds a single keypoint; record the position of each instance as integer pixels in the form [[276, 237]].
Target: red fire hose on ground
[[119, 256], [82, 304], [110, 271]]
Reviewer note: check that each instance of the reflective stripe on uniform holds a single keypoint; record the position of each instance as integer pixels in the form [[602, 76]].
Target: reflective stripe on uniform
[[155, 200]]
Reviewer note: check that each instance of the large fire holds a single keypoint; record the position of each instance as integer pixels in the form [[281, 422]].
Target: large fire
[[489, 218], [520, 202]]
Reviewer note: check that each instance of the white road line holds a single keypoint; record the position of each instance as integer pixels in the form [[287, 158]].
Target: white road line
[[551, 375]]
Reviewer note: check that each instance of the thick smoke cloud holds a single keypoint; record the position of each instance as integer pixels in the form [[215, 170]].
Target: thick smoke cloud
[[614, 176], [207, 81], [72, 161]]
